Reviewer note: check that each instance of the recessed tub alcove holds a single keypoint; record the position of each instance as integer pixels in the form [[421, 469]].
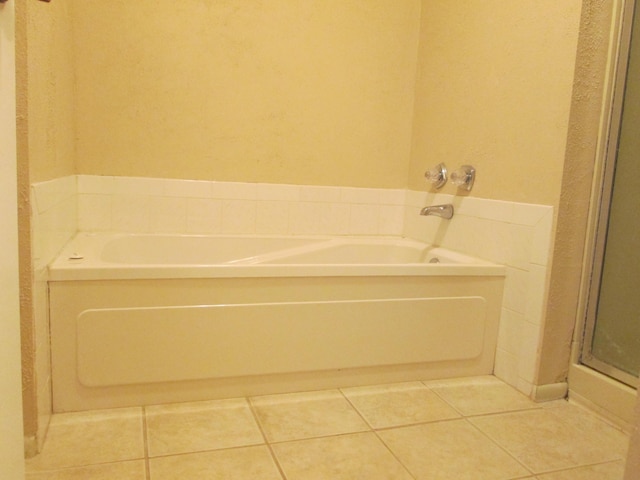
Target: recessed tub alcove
[[144, 319]]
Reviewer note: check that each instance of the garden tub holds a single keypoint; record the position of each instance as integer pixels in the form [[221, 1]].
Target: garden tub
[[144, 319]]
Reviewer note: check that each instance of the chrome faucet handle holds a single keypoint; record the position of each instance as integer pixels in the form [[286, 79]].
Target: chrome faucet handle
[[464, 177], [437, 175]]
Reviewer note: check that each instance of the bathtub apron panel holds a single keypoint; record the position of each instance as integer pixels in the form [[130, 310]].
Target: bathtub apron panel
[[129, 346]]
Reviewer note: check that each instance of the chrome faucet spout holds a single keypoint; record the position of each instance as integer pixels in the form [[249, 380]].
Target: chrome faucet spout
[[444, 211]]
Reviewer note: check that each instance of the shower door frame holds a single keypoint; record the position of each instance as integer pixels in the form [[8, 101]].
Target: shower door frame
[[602, 202]]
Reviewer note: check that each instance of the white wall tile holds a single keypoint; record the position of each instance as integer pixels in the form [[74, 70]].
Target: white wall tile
[[369, 196], [94, 212], [49, 194], [529, 214], [397, 197], [364, 219], [204, 216], [497, 210], [415, 199], [391, 220], [311, 193], [491, 239], [515, 290], [268, 191], [519, 245], [95, 184], [541, 240], [536, 294], [234, 190], [52, 229], [528, 355], [130, 213], [167, 214], [188, 188], [419, 227], [272, 217], [506, 367], [238, 216], [137, 186], [315, 218], [509, 334]]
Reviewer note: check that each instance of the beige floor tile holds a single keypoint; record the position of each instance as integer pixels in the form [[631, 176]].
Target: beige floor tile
[[481, 395], [133, 470], [238, 463], [606, 471], [591, 425], [398, 404], [87, 438], [345, 457], [451, 450], [306, 415], [200, 426], [544, 442]]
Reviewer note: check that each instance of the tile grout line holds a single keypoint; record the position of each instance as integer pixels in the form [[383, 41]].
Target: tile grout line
[[145, 442], [467, 417], [406, 469], [504, 449], [371, 428], [424, 382], [264, 437], [375, 432], [578, 467], [485, 414], [417, 424], [206, 450]]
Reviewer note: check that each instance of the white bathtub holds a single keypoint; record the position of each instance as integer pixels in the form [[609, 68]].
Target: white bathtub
[[127, 256], [143, 319]]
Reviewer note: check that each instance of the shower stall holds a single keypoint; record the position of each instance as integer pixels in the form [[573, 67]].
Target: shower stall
[[611, 334], [612, 340]]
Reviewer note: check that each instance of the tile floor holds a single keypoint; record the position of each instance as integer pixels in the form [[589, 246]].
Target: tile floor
[[473, 428]]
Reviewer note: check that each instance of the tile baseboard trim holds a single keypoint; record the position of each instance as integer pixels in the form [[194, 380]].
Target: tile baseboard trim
[[550, 391], [30, 446]]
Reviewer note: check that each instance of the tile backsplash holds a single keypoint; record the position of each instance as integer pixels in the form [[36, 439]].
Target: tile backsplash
[[198, 207], [514, 234], [54, 218]]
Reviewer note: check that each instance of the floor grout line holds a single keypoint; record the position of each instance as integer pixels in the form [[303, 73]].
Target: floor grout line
[[145, 441], [358, 412], [266, 440], [394, 455], [504, 449], [578, 467]]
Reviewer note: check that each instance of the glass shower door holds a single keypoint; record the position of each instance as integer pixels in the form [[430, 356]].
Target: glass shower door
[[612, 340]]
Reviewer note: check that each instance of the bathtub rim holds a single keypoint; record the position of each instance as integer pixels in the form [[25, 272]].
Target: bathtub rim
[[89, 267]]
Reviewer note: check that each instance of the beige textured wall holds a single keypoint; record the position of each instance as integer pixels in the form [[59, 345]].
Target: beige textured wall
[[50, 91], [493, 90], [27, 327], [304, 92], [45, 148], [571, 229]]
